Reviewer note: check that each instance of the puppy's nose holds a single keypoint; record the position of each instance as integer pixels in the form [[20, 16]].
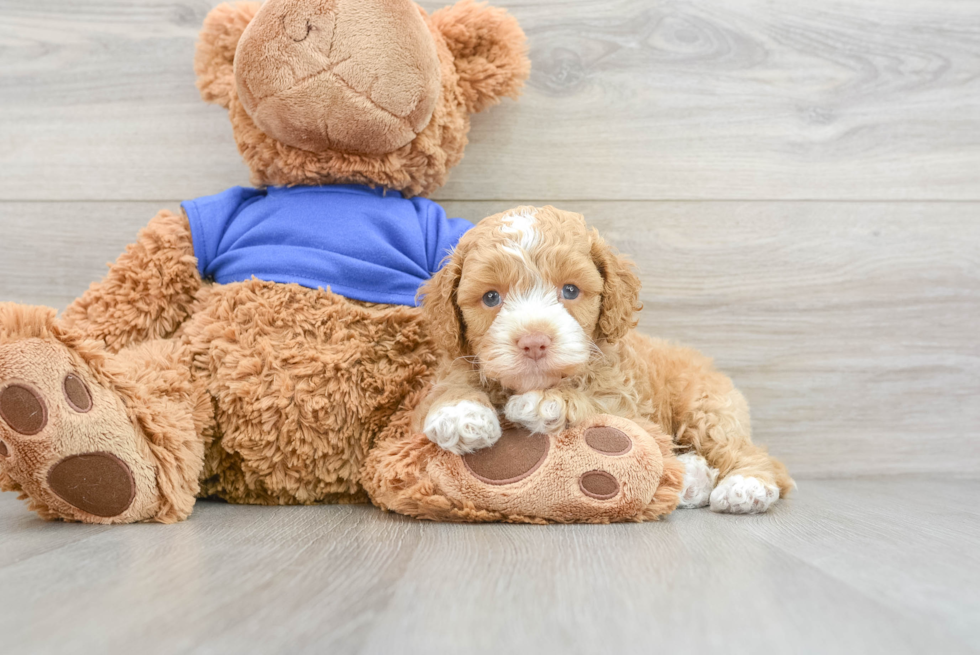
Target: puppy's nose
[[534, 345]]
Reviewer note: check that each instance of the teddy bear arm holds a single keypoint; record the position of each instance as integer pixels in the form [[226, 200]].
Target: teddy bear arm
[[148, 291]]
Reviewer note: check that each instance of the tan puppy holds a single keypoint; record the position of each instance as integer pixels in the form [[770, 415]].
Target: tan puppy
[[535, 314]]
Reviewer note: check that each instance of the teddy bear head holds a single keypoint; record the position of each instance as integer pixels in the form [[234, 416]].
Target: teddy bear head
[[356, 91]]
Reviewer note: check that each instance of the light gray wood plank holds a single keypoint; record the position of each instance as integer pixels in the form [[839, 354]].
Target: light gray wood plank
[[851, 327], [915, 520], [857, 99], [648, 589], [23, 536], [824, 572], [51, 252]]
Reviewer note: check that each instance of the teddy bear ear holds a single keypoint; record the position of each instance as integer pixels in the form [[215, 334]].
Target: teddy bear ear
[[490, 50], [215, 56]]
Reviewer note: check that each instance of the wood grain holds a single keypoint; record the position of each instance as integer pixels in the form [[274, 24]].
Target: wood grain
[[845, 567], [851, 327], [764, 165], [629, 99]]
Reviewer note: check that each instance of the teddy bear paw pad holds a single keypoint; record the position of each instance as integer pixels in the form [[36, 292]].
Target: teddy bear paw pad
[[599, 485], [608, 441], [517, 454], [98, 483]]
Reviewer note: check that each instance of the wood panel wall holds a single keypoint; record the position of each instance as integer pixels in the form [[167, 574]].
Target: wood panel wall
[[798, 182]]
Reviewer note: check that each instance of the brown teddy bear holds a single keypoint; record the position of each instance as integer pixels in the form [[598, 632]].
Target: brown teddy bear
[[259, 346]]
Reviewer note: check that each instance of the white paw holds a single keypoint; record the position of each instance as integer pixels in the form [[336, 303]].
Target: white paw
[[463, 427], [740, 495], [536, 414], [699, 480]]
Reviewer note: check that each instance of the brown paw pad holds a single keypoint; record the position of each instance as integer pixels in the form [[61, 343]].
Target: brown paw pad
[[516, 455], [23, 409], [599, 485], [98, 483], [77, 393], [608, 441]]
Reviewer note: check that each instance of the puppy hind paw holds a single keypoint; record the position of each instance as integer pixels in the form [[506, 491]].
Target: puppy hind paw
[[699, 480], [462, 428], [738, 494]]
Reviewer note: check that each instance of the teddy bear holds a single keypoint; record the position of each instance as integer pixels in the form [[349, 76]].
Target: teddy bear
[[264, 345]]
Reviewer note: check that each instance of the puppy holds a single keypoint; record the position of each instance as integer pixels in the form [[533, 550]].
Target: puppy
[[535, 314]]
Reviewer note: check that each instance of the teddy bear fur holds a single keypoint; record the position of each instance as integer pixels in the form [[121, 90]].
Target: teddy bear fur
[[253, 392], [482, 58]]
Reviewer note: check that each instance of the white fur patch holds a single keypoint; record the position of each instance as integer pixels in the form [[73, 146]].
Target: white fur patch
[[737, 494], [536, 414], [699, 480], [516, 252], [463, 427], [523, 225]]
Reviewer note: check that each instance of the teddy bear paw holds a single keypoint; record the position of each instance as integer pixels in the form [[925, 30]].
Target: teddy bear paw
[[607, 469], [66, 441]]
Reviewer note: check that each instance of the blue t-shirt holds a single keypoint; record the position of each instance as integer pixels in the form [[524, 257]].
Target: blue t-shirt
[[363, 243]]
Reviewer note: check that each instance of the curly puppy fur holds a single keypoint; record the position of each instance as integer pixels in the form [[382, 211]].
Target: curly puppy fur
[[591, 361]]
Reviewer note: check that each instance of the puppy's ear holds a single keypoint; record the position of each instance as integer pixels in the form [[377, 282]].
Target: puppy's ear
[[490, 50], [215, 56], [443, 317], [620, 292]]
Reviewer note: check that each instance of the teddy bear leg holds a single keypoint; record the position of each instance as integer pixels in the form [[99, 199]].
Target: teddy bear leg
[[93, 437]]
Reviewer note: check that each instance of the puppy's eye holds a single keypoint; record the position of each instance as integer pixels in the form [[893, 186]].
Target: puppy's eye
[[569, 292], [491, 299]]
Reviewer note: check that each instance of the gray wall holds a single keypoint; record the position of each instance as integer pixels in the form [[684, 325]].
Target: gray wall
[[798, 182]]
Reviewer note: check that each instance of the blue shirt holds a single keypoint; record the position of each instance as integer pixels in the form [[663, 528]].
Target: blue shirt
[[362, 243]]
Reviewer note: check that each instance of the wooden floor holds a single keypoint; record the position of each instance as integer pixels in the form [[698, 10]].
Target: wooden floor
[[887, 565]]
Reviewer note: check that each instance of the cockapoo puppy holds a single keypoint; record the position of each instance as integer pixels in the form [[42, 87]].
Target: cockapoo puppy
[[535, 314]]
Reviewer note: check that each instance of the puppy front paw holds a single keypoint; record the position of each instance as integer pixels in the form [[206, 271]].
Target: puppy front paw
[[463, 427], [538, 412]]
